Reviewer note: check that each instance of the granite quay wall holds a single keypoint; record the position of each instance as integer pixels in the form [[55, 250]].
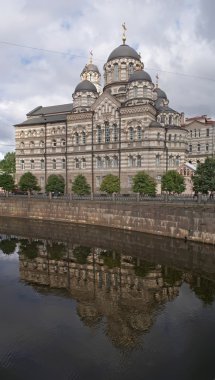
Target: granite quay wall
[[194, 222]]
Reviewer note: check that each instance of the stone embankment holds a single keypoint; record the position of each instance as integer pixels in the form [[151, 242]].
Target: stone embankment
[[194, 222]]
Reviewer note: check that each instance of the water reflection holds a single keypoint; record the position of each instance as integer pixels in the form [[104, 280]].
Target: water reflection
[[119, 280]]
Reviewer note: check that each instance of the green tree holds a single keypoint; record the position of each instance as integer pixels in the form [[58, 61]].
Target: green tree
[[28, 182], [173, 182], [144, 184], [204, 177], [8, 164], [80, 185], [110, 184], [8, 246], [55, 183], [6, 182]]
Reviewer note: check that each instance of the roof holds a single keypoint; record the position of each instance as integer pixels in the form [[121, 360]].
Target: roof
[[43, 120], [90, 67], [160, 93], [61, 108], [155, 124], [85, 85], [140, 75], [123, 51]]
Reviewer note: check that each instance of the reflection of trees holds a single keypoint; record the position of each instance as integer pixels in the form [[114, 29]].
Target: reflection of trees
[[56, 251], [142, 267], [110, 258], [81, 254], [8, 246], [28, 249], [171, 276], [204, 289]]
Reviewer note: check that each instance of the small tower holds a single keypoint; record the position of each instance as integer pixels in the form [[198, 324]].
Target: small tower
[[91, 73]]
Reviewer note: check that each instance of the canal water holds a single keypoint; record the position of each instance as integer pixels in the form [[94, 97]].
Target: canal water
[[82, 302]]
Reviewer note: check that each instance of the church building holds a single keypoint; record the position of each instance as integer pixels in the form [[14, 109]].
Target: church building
[[123, 128]]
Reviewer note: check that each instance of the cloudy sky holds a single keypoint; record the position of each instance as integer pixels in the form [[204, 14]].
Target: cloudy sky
[[175, 38]]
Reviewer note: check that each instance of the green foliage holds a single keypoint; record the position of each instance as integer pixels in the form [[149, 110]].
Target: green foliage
[[81, 254], [143, 267], [28, 182], [28, 249], [171, 276], [111, 259], [8, 246], [80, 185], [205, 291], [56, 251], [173, 182], [204, 177], [110, 184], [6, 182], [144, 184], [8, 164], [55, 183]]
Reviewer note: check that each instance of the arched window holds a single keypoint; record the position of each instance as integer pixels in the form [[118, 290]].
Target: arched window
[[42, 164], [169, 137], [199, 132], [158, 159], [135, 91], [177, 160], [107, 162], [54, 164], [77, 165], [207, 147], [41, 131], [198, 147], [22, 164], [115, 133], [42, 144], [162, 119], [29, 133], [58, 130], [191, 133], [83, 137], [115, 162], [180, 137], [158, 136], [34, 133], [175, 137], [190, 148], [76, 138], [54, 143], [32, 164], [130, 69], [131, 134], [139, 161], [139, 133], [194, 132], [63, 130], [63, 163], [99, 162], [63, 142], [31, 144], [131, 161], [107, 133], [99, 134], [170, 161], [170, 119], [22, 145], [53, 131], [21, 134], [83, 163], [115, 72]]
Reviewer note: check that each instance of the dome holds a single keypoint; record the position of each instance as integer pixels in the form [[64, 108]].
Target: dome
[[140, 75], [85, 85], [155, 124], [160, 93], [123, 51], [90, 67]]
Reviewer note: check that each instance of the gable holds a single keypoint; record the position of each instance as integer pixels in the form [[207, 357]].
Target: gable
[[104, 102]]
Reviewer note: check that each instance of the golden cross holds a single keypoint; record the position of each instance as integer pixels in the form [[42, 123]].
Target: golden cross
[[91, 56], [157, 77], [123, 34]]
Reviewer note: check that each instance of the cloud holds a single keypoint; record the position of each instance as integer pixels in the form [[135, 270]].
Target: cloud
[[173, 38]]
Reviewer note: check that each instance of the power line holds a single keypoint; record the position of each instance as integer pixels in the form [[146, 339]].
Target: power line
[[99, 59]]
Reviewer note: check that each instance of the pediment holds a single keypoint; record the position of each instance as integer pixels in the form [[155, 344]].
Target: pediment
[[104, 99], [194, 123]]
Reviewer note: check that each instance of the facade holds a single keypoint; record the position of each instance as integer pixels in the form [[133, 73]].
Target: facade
[[126, 128]]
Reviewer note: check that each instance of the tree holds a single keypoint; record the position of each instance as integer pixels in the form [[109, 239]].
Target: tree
[[173, 182], [204, 177], [8, 164], [144, 184], [8, 246], [6, 182], [110, 184], [55, 184], [80, 185], [28, 182]]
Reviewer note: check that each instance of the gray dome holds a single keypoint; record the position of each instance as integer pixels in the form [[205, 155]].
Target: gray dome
[[155, 124], [160, 93], [85, 85], [123, 51], [90, 67], [140, 75]]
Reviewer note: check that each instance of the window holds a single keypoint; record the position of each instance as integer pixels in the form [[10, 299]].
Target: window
[[22, 164], [83, 138], [157, 160], [99, 135], [139, 133], [139, 161], [207, 147], [63, 163], [76, 138], [207, 132], [198, 147], [41, 181], [54, 164], [131, 134], [99, 162], [54, 143], [169, 137], [21, 134], [42, 144], [53, 131], [77, 165], [22, 145], [170, 161], [115, 133], [130, 181], [199, 132], [175, 137], [107, 133], [190, 148], [63, 142], [162, 119], [42, 164], [170, 119], [115, 72], [115, 162], [83, 163], [131, 161], [107, 162], [130, 69], [194, 132], [31, 145], [177, 161], [41, 131], [135, 91], [32, 164], [158, 135]]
